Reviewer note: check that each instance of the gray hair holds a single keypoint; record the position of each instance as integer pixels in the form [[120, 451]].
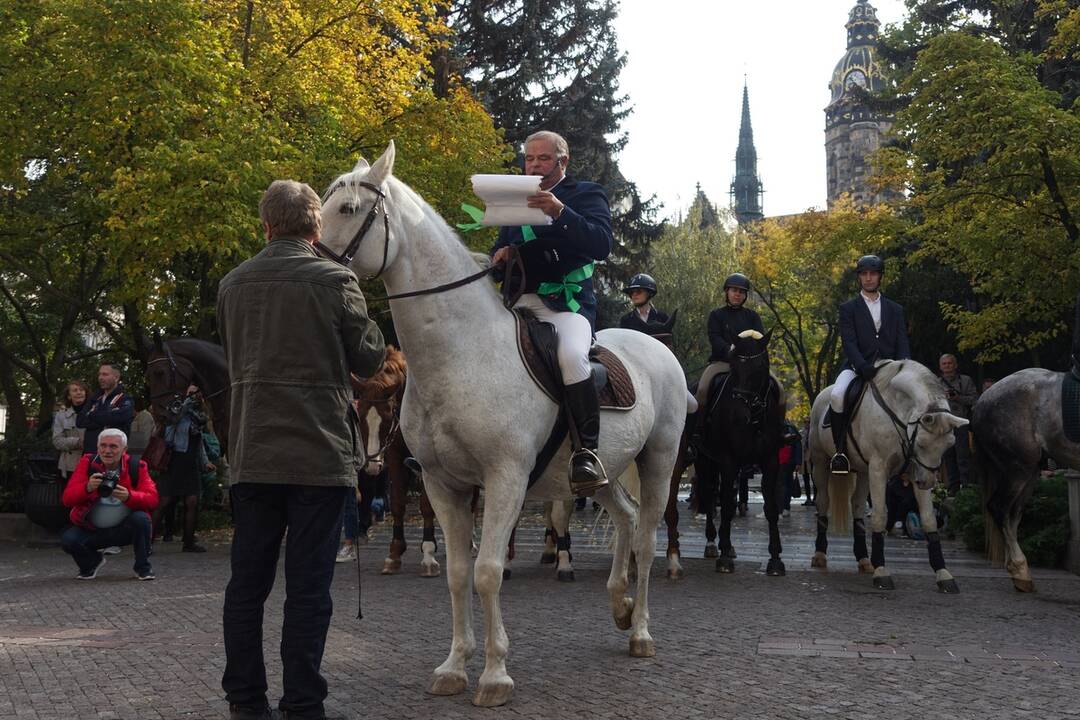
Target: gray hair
[[947, 355], [114, 432], [291, 209], [562, 150]]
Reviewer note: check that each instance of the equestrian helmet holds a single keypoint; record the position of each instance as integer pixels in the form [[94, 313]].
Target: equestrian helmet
[[737, 280], [870, 262], [641, 281]]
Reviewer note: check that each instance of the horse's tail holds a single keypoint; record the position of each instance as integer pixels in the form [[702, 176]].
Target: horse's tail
[[988, 475], [841, 488]]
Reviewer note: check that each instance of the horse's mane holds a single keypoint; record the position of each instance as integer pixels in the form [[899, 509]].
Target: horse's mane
[[387, 381], [914, 376]]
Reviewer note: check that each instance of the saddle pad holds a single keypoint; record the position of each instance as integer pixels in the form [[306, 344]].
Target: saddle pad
[[536, 347], [1070, 406]]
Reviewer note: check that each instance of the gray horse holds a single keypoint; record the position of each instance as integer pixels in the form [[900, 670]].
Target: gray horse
[[1015, 423], [902, 426]]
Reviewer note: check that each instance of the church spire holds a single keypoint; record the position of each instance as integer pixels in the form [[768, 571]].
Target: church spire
[[746, 186]]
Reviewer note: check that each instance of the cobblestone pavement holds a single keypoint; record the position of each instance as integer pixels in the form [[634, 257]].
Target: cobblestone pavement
[[811, 644]]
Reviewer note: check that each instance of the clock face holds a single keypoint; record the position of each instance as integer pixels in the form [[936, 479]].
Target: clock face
[[855, 77]]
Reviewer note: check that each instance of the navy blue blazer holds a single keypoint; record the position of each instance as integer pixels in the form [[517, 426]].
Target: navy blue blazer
[[863, 344], [581, 235]]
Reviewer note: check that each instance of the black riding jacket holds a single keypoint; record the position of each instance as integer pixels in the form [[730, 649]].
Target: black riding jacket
[[725, 324]]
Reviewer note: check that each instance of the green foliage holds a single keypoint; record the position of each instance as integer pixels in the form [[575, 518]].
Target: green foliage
[[1044, 527]]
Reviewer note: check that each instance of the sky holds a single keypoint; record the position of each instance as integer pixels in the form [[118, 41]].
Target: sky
[[684, 77]]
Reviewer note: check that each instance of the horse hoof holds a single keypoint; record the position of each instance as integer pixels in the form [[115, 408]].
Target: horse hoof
[[548, 559], [819, 560], [506, 574], [948, 586], [430, 571], [884, 582], [725, 565], [450, 683], [1024, 586], [493, 694], [391, 567], [775, 568], [623, 619], [710, 551], [642, 647], [566, 576], [865, 566]]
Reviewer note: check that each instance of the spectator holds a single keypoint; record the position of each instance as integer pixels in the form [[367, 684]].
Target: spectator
[[109, 408], [787, 472], [351, 525], [66, 437], [292, 445], [961, 394], [988, 383], [142, 427], [110, 501], [899, 502], [183, 478]]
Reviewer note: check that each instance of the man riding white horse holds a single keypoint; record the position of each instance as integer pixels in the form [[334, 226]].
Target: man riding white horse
[[558, 264], [872, 328]]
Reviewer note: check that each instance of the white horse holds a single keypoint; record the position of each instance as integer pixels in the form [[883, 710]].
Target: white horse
[[473, 417], [902, 426]]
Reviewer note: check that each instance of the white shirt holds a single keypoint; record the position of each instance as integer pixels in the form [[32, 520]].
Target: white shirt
[[643, 312], [874, 306]]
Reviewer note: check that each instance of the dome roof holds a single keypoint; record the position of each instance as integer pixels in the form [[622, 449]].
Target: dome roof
[[859, 64]]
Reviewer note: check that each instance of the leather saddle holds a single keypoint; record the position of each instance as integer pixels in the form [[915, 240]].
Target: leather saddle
[[537, 346], [853, 397]]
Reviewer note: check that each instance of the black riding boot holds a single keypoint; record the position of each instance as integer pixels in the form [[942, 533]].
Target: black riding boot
[[586, 473], [839, 464]]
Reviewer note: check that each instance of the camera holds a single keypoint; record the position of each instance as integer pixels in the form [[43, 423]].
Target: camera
[[109, 479]]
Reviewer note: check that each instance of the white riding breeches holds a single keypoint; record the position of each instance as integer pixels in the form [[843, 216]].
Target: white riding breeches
[[575, 338], [836, 397]]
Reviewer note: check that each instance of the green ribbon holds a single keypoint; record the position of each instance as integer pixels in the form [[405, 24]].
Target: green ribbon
[[569, 287], [475, 213]]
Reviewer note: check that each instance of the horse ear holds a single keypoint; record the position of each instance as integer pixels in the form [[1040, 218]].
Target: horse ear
[[159, 344], [361, 164], [383, 167], [766, 337]]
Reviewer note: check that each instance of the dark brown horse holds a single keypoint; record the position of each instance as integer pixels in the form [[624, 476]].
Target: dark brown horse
[[173, 365], [378, 402]]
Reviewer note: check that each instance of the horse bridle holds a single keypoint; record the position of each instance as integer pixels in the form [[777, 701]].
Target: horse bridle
[[174, 373], [390, 436], [757, 401], [346, 256], [907, 442]]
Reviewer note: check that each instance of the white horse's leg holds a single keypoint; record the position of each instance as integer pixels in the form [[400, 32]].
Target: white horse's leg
[[560, 524], [502, 506], [878, 519], [655, 472], [624, 517], [455, 516], [945, 581], [858, 521], [821, 501]]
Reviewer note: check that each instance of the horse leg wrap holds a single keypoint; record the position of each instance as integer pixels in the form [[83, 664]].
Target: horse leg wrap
[[933, 544], [429, 535], [860, 539], [877, 549], [548, 532], [821, 544], [563, 543], [399, 533]]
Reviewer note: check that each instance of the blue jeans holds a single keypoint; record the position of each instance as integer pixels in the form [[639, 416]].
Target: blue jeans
[[261, 515], [352, 518], [85, 545]]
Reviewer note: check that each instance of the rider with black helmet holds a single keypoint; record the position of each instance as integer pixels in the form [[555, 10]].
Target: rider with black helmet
[[644, 317], [872, 328], [725, 324]]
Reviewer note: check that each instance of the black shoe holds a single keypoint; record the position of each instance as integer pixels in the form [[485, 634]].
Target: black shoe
[[809, 503], [166, 538], [839, 464], [193, 547], [239, 712]]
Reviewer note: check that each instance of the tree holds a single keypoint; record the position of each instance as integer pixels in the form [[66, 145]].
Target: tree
[[690, 261], [802, 268]]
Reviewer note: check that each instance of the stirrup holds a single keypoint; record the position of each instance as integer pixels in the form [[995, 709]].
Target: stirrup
[[590, 482], [839, 464]]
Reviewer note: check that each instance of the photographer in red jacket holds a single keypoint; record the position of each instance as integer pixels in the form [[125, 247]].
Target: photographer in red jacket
[[109, 507]]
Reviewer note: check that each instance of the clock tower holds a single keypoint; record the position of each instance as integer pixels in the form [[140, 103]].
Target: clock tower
[[853, 131]]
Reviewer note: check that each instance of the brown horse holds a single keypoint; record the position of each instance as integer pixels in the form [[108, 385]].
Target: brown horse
[[378, 401], [173, 365]]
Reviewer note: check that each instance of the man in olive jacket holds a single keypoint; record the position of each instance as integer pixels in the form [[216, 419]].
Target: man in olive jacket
[[293, 325]]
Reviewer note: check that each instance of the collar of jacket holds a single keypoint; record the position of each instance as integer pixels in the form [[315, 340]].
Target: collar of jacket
[[288, 245], [96, 465]]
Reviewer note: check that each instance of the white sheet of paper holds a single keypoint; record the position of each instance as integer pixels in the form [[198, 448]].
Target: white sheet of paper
[[505, 202]]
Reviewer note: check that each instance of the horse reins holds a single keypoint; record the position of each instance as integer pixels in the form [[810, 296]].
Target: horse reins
[[346, 256], [907, 443], [174, 373]]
